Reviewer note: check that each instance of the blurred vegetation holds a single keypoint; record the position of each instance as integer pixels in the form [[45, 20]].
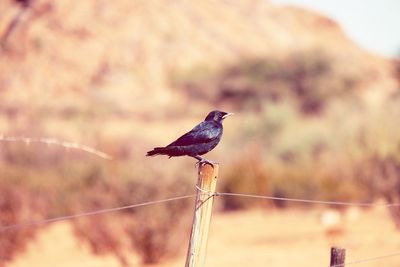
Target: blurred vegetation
[[34, 187], [304, 130], [309, 78], [303, 127]]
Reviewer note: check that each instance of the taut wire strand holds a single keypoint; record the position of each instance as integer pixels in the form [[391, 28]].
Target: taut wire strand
[[90, 213], [368, 259], [342, 203]]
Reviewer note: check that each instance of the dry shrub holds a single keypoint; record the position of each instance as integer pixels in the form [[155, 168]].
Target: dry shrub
[[350, 153], [17, 206], [382, 175], [158, 231], [248, 175], [33, 188], [104, 234], [11, 209], [304, 77], [154, 231]]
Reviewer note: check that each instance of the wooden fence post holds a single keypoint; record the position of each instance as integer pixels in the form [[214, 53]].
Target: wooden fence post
[[338, 256], [206, 185]]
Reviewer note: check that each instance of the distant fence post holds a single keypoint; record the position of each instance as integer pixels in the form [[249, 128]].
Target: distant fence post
[[338, 256], [206, 185]]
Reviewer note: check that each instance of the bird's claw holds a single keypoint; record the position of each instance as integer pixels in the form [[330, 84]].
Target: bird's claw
[[205, 161]]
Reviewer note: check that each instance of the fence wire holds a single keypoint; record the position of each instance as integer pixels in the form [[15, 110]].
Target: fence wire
[[148, 203], [215, 194], [338, 203], [368, 259], [91, 213]]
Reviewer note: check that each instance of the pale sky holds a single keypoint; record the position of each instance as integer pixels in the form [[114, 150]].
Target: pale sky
[[373, 24]]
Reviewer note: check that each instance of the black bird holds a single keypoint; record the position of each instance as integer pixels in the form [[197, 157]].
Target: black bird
[[200, 140]]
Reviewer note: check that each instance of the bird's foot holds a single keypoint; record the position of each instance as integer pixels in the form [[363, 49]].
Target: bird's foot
[[205, 161]]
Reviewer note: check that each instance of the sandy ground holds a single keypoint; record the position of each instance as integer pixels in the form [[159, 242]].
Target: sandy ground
[[249, 238]]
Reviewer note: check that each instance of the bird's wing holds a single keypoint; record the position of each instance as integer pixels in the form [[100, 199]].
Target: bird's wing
[[202, 133]]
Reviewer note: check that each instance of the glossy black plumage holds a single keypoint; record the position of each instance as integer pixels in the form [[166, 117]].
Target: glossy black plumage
[[200, 140]]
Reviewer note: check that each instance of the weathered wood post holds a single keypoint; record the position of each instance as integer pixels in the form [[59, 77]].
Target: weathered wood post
[[206, 185], [338, 256]]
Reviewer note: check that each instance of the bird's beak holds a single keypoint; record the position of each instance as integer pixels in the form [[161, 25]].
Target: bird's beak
[[227, 115]]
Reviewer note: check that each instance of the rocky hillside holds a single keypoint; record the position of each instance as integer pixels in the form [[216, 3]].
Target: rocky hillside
[[121, 56]]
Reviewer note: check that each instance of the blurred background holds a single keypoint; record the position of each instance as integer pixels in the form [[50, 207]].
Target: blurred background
[[317, 116]]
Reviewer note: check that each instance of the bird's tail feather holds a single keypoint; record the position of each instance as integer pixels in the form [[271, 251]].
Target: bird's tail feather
[[157, 151]]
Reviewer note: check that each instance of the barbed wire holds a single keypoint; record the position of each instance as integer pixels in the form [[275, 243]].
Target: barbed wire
[[54, 141], [91, 213]]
